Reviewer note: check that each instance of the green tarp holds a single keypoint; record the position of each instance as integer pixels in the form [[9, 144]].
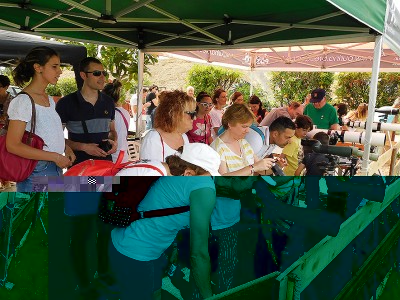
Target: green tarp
[[164, 25]]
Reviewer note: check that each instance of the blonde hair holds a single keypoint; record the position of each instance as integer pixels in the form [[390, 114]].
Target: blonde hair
[[237, 113]]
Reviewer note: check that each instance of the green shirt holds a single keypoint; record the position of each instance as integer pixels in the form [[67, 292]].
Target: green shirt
[[324, 118]]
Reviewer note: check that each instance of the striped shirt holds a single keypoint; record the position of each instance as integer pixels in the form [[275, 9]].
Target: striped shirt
[[233, 161]]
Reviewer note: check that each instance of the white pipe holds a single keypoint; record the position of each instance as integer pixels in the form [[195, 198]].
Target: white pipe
[[376, 126], [373, 90], [376, 138], [139, 93]]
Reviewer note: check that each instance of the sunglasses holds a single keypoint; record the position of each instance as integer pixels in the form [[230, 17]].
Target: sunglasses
[[98, 73], [205, 104], [192, 114]]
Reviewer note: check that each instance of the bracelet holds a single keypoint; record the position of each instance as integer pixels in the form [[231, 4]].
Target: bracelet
[[251, 169]]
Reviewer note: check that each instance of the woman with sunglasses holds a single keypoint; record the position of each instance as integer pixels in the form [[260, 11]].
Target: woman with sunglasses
[[201, 131], [39, 68], [173, 118]]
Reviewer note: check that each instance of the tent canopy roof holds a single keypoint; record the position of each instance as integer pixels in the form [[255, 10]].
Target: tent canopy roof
[[352, 57], [163, 25], [14, 46]]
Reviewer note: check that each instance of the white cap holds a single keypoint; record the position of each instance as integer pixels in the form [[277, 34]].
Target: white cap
[[203, 156]]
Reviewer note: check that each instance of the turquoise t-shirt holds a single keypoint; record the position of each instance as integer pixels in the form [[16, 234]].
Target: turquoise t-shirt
[[323, 118]]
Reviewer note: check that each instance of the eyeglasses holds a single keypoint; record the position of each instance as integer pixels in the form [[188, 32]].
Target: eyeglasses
[[192, 114], [205, 104], [98, 73]]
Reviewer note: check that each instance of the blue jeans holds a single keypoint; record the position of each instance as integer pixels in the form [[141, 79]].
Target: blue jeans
[[43, 168], [136, 279]]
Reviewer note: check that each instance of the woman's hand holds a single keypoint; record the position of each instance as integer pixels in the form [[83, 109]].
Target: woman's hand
[[70, 154], [61, 161], [264, 164]]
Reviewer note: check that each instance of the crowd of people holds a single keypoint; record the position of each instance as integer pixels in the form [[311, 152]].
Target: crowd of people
[[98, 124], [198, 136]]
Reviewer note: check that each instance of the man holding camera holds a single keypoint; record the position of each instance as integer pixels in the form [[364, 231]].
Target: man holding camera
[[89, 114]]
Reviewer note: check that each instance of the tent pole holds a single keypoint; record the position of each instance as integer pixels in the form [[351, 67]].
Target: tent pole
[[139, 115], [251, 81], [373, 90]]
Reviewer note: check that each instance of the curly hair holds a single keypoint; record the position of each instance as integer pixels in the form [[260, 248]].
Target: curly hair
[[237, 113], [169, 112]]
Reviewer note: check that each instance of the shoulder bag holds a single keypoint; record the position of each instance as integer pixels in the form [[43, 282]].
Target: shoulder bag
[[13, 167]]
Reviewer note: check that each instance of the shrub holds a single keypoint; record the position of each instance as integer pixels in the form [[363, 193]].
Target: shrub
[[294, 86], [53, 90], [209, 78], [67, 85]]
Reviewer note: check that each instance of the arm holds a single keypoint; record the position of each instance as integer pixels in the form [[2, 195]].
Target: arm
[[15, 146], [113, 138], [202, 203], [259, 166], [299, 169], [335, 127]]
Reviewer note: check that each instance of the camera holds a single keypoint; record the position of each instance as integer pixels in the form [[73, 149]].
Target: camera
[[105, 146], [276, 169]]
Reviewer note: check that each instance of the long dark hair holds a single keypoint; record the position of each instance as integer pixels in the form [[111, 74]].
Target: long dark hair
[[255, 100], [25, 71]]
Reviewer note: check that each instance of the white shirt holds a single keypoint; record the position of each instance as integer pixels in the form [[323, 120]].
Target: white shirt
[[152, 148], [122, 133], [143, 168], [48, 122], [216, 120], [147, 239]]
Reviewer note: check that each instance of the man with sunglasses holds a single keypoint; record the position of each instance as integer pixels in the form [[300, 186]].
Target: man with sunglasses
[[89, 115]]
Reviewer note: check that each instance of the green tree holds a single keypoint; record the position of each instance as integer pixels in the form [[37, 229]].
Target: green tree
[[209, 78], [354, 88], [244, 87], [121, 62], [388, 88], [294, 86]]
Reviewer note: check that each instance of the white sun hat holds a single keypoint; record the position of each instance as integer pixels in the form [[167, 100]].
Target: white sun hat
[[203, 156]]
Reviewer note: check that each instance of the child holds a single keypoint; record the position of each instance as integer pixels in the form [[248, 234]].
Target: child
[[293, 152], [312, 160]]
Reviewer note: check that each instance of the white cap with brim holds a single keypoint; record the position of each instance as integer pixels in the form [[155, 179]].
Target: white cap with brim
[[203, 156]]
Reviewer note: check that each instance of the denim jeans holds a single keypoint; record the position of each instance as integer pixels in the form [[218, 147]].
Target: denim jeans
[[43, 168], [136, 279]]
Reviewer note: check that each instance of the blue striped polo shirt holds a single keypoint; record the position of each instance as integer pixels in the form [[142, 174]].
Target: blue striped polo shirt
[[73, 108]]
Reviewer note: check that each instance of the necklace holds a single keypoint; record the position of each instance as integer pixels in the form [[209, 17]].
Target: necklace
[[44, 99]]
